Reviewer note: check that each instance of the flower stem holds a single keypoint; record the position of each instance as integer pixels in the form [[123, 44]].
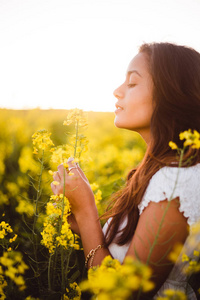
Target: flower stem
[[36, 214], [38, 193], [76, 141], [62, 250], [49, 273], [163, 218]]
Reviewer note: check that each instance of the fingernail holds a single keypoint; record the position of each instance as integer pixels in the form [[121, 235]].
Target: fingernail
[[70, 159]]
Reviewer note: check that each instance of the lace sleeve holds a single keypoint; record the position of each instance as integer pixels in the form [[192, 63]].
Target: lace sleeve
[[169, 183]]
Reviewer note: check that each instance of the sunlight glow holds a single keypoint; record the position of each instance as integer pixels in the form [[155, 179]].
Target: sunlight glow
[[66, 54]]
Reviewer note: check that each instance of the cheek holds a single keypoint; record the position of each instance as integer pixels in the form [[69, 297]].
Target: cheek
[[140, 113], [140, 107], [137, 111]]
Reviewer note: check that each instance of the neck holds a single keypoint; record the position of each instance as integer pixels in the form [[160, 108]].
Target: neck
[[145, 134]]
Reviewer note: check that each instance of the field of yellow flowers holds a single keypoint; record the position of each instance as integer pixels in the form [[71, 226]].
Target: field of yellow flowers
[[40, 258]]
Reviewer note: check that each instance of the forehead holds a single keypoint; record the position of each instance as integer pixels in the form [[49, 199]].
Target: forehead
[[139, 64]]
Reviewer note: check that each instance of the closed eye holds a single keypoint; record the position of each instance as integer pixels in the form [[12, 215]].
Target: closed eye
[[131, 85]]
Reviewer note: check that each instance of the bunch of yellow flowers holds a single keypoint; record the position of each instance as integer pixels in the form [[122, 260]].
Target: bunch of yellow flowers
[[54, 232], [61, 155], [12, 266], [77, 143], [192, 260], [74, 292], [5, 228], [6, 235], [111, 280], [41, 140], [191, 139], [76, 116]]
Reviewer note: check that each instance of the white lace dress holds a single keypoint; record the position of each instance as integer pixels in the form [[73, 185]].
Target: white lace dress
[[187, 188]]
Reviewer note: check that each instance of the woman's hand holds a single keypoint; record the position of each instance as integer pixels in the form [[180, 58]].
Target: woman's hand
[[84, 219], [76, 188]]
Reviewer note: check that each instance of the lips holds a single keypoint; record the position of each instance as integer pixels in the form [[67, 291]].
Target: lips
[[118, 108]]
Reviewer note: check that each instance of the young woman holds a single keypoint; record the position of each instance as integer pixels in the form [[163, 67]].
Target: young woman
[[159, 98]]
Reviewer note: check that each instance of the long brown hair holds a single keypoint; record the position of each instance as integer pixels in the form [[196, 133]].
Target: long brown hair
[[175, 72]]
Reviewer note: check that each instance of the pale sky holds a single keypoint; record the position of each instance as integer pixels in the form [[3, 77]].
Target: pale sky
[[74, 53]]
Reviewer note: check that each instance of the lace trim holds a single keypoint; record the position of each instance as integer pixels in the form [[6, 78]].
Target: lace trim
[[169, 183]]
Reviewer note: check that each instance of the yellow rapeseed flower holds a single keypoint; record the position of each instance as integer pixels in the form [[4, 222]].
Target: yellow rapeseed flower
[[173, 145], [170, 294], [41, 140], [185, 257], [94, 186], [116, 281], [56, 183], [50, 172], [54, 233], [14, 267], [3, 284], [76, 116], [25, 207], [191, 138], [196, 253], [5, 228], [70, 173], [13, 239], [174, 254], [73, 293], [61, 154], [4, 199]]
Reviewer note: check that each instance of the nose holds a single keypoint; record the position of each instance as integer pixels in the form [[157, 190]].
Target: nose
[[118, 93]]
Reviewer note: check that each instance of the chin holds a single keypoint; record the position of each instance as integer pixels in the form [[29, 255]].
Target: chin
[[121, 125], [118, 124]]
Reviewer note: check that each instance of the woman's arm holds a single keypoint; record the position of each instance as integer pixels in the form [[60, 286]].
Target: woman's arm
[[85, 218], [160, 226]]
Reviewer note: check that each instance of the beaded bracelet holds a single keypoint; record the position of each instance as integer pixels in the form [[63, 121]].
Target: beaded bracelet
[[91, 255]]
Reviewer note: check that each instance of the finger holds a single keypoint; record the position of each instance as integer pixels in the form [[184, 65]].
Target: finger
[[61, 171], [53, 187], [74, 169], [70, 159], [82, 173], [56, 176], [72, 166]]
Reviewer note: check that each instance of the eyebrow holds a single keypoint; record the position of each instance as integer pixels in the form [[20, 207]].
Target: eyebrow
[[134, 71]]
